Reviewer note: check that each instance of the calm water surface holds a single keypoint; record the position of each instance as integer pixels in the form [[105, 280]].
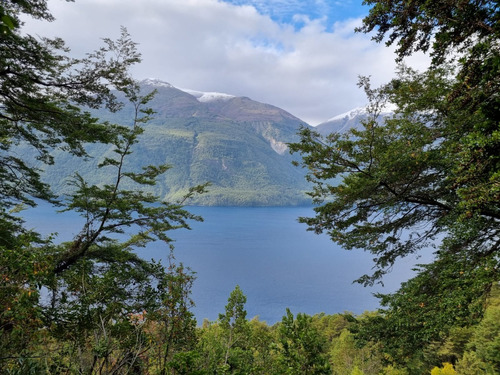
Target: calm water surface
[[276, 262]]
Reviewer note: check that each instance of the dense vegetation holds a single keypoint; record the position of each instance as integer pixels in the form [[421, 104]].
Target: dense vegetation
[[167, 341], [66, 307], [428, 176], [92, 306]]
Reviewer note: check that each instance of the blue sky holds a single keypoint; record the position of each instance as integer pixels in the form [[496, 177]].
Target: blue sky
[[293, 11], [300, 55]]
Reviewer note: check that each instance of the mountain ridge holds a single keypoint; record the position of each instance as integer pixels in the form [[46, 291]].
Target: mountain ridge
[[237, 144], [351, 119]]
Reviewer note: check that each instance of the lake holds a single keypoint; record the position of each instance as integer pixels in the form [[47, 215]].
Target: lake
[[275, 261]]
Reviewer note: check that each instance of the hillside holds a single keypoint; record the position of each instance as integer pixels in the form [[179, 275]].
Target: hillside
[[237, 144]]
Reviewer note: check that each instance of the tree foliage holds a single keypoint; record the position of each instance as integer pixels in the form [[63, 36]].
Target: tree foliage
[[399, 185], [302, 350], [235, 332], [348, 357], [42, 91], [84, 306], [466, 32], [99, 292], [430, 170], [447, 369], [429, 176], [439, 26], [226, 345]]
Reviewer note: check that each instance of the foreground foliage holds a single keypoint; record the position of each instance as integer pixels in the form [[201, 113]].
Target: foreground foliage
[[80, 306], [167, 341], [427, 177]]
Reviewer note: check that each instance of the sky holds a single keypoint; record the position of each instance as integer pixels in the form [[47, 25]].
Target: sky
[[300, 55]]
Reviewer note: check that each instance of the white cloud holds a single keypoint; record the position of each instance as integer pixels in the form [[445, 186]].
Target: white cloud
[[210, 45]]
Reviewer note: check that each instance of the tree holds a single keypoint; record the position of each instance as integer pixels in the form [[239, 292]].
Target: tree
[[436, 161], [426, 310], [225, 345], [447, 369], [397, 190], [101, 292], [428, 176], [98, 293], [469, 31], [172, 325], [41, 90], [484, 347], [235, 333], [441, 26], [262, 343], [302, 350], [211, 348], [471, 365], [390, 370], [346, 356]]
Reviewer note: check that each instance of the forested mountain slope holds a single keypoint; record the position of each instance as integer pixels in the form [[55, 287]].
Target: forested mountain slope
[[235, 143]]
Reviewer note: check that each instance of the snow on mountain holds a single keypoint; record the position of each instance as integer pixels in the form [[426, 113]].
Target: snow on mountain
[[361, 111], [208, 96], [156, 82], [353, 113], [352, 119], [202, 96]]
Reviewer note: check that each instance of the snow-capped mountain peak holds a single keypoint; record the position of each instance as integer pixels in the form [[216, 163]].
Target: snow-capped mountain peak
[[202, 96], [353, 113], [156, 82], [362, 111], [208, 96]]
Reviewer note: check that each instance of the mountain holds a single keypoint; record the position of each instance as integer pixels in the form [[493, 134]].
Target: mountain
[[237, 144], [349, 120]]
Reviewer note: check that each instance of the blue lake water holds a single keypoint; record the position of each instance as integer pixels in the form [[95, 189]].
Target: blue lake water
[[276, 262]]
